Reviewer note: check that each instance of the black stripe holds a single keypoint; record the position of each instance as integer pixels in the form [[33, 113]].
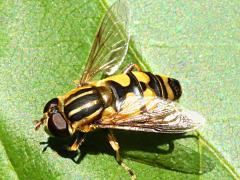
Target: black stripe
[[134, 85], [77, 93], [143, 86], [117, 89], [86, 112], [154, 84], [80, 102], [120, 92], [176, 87], [165, 94]]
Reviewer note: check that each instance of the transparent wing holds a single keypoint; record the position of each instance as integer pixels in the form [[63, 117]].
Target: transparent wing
[[111, 43], [152, 114]]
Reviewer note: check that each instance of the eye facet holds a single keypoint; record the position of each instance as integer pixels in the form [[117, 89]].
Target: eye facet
[[57, 125], [52, 103]]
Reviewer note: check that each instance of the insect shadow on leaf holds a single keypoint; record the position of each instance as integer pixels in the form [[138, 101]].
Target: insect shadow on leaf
[[171, 152], [61, 146], [178, 152]]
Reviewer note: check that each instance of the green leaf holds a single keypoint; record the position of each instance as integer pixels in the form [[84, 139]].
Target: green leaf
[[43, 48]]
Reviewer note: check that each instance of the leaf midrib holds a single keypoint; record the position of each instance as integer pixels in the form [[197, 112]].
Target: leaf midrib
[[9, 159]]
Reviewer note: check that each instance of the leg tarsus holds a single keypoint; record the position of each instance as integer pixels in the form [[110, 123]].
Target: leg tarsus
[[80, 157], [113, 142], [130, 67]]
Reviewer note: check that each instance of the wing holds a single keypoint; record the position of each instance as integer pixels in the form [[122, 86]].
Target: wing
[[111, 43], [152, 114]]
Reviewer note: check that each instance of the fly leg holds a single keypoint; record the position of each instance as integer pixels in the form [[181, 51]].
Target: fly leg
[[79, 139], [77, 143], [113, 142], [130, 67]]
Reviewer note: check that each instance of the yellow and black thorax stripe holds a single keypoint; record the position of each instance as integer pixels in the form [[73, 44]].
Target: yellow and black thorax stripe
[[83, 103]]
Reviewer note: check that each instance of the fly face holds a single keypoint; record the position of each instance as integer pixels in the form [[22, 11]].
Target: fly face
[[54, 121]]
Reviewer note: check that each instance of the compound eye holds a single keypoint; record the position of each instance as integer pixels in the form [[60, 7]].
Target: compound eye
[[57, 125], [52, 103]]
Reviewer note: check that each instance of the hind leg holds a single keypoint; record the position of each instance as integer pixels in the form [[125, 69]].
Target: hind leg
[[113, 142], [130, 67]]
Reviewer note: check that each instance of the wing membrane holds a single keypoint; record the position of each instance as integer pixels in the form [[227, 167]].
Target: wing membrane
[[153, 114], [111, 43]]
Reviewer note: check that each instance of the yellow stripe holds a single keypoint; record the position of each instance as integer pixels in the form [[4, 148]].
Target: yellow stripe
[[73, 91], [148, 92], [121, 79], [84, 124], [92, 103], [93, 115], [168, 88], [80, 95], [141, 76]]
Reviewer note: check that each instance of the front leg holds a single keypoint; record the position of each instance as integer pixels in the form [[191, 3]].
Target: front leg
[[113, 142], [80, 137]]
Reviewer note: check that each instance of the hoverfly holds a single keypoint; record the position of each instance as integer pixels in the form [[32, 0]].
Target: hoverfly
[[132, 100]]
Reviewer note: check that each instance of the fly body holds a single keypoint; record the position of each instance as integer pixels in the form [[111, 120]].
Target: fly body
[[132, 100]]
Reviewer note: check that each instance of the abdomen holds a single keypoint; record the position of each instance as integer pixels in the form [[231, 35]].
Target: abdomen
[[142, 84]]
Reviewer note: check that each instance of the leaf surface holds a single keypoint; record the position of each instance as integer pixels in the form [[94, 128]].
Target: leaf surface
[[43, 48]]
